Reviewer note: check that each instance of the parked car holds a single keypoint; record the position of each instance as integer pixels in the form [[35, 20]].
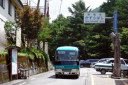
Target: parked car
[[88, 62], [107, 66], [126, 61], [103, 60], [81, 61]]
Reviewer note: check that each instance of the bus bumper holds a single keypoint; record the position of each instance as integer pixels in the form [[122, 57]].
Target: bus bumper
[[67, 71]]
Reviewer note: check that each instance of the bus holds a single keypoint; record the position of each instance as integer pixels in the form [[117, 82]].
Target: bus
[[67, 61]]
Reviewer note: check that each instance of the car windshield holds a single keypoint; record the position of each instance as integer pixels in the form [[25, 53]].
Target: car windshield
[[67, 55], [102, 60], [112, 61], [91, 60], [126, 61], [95, 60], [81, 61]]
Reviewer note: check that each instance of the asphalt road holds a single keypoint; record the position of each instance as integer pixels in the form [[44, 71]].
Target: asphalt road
[[88, 76], [48, 78]]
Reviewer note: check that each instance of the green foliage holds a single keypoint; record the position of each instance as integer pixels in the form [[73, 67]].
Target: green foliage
[[93, 40], [122, 7], [3, 53], [31, 23], [70, 30], [46, 56], [35, 53], [124, 42], [44, 33], [10, 29]]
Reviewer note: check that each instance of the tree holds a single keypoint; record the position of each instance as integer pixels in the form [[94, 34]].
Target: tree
[[121, 6], [10, 29], [60, 31], [93, 40], [80, 30], [124, 42], [44, 33], [99, 41], [70, 30], [31, 22]]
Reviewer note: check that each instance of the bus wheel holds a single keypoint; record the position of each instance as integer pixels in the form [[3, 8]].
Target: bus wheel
[[103, 71], [57, 76]]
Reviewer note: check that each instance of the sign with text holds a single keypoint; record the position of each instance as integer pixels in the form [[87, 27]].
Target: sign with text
[[14, 61], [115, 20], [98, 17]]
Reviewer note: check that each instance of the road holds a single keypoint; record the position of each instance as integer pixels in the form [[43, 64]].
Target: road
[[88, 76], [48, 78]]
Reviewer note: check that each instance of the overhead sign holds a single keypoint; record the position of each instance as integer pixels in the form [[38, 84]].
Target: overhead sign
[[94, 17], [115, 20]]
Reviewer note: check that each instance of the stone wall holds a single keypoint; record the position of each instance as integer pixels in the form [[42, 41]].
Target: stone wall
[[33, 66]]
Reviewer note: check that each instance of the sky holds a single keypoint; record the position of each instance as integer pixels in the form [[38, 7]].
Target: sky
[[56, 7]]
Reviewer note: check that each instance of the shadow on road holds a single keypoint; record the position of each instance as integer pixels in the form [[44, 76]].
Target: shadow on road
[[120, 82], [63, 77]]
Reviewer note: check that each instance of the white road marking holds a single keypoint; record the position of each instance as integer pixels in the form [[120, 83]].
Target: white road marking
[[92, 80], [107, 76]]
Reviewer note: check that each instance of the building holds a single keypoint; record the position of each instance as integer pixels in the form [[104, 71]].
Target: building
[[8, 13]]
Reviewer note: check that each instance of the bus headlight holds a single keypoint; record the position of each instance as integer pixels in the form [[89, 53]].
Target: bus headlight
[[58, 70]]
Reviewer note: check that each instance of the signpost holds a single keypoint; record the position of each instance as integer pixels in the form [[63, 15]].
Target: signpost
[[98, 17], [115, 21], [12, 54]]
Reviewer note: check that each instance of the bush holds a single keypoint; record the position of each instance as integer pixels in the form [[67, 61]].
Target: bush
[[34, 52]]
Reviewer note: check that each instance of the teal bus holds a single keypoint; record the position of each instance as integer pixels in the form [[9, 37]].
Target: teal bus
[[67, 61]]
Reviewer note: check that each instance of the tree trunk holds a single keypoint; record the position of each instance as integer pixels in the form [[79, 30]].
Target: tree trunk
[[116, 42]]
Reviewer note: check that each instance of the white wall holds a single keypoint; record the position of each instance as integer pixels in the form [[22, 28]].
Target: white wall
[[4, 12], [4, 16]]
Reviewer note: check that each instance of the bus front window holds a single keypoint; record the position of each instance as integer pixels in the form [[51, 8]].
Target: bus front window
[[67, 55]]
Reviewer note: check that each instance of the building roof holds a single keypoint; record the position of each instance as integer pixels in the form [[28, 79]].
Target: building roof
[[13, 47]]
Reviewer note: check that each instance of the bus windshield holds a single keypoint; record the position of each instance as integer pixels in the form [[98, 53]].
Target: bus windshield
[[66, 55]]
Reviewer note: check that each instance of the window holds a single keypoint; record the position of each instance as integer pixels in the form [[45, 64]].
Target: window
[[9, 7], [2, 3], [122, 62], [111, 61]]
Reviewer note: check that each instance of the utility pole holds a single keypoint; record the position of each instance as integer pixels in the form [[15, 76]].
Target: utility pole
[[45, 7], [116, 42], [38, 3]]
